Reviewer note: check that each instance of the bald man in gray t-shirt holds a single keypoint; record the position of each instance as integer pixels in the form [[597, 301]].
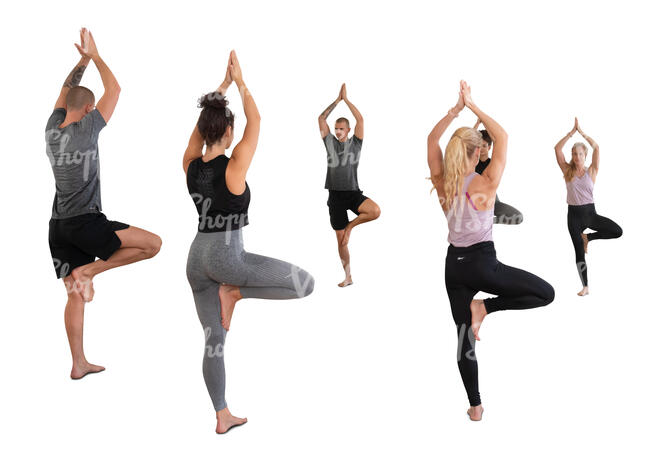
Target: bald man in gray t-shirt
[[343, 155], [78, 230]]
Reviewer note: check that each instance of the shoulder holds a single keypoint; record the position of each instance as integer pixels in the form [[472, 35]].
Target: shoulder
[[56, 118], [356, 140], [193, 163], [93, 118]]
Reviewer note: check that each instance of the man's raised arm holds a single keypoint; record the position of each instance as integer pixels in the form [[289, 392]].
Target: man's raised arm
[[107, 103], [358, 128], [322, 118], [74, 78]]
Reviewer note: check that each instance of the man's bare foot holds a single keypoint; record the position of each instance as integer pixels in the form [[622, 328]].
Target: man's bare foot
[[584, 291], [79, 371], [225, 421], [83, 284], [475, 413], [585, 241], [228, 296], [346, 282], [477, 307], [346, 235]]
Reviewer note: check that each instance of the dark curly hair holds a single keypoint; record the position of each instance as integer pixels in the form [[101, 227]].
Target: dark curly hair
[[215, 117]]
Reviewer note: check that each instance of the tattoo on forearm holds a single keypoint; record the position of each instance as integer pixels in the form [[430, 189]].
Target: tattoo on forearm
[[328, 110], [74, 78]]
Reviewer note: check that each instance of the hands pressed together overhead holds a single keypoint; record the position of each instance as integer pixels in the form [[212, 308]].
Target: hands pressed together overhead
[[88, 48]]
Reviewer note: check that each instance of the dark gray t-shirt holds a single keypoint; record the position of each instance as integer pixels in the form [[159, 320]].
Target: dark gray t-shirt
[[74, 157], [342, 163]]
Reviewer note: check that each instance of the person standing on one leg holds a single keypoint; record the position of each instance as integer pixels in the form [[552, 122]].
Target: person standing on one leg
[[580, 199], [219, 270], [78, 230], [503, 213], [467, 199], [343, 155]]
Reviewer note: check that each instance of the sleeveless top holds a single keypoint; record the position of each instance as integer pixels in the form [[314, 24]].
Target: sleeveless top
[[580, 191], [467, 225], [219, 209], [481, 165]]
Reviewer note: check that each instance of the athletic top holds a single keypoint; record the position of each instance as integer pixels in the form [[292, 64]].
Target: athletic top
[[480, 167], [467, 225], [74, 157], [342, 163], [219, 209], [580, 191]]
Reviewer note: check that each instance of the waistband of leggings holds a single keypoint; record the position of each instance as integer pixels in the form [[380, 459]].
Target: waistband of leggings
[[582, 208], [479, 247]]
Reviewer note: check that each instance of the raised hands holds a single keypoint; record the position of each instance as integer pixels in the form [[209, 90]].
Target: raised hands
[[343, 94], [234, 69], [88, 48], [466, 93]]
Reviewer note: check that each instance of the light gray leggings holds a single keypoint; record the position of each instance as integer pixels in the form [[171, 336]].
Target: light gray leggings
[[219, 257]]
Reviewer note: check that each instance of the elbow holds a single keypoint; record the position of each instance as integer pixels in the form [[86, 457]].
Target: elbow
[[501, 138], [114, 90]]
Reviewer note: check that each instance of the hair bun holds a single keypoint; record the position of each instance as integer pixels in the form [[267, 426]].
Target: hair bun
[[213, 100]]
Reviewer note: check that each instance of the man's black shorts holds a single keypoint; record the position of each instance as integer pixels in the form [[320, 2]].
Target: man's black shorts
[[76, 241], [339, 202]]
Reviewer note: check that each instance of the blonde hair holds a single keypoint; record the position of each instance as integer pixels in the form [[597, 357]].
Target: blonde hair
[[571, 170], [461, 146]]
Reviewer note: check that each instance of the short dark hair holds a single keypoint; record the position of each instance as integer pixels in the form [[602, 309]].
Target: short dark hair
[[78, 97], [486, 137], [215, 117], [343, 119]]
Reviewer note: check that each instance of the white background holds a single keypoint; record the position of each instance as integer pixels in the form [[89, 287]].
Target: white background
[[362, 379]]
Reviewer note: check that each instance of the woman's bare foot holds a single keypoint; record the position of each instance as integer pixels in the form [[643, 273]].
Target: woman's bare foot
[[475, 413], [83, 284], [346, 282], [477, 307], [228, 296], [584, 291], [585, 241], [80, 370], [225, 421]]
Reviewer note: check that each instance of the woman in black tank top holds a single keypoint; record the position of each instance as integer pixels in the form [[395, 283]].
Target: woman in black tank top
[[219, 209], [219, 270]]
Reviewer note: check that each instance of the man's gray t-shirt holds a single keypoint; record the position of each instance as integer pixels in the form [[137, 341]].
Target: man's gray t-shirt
[[74, 157], [342, 163]]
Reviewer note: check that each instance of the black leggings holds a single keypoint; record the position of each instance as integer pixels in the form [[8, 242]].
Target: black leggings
[[580, 218], [469, 270]]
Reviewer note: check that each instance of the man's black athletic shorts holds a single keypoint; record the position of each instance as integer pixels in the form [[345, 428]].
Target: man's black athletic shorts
[[76, 241], [339, 202]]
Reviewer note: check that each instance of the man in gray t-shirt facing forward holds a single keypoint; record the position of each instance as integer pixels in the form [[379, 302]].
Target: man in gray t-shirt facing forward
[[79, 231], [342, 162]]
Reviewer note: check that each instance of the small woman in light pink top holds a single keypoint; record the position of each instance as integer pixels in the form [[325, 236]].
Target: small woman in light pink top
[[580, 198]]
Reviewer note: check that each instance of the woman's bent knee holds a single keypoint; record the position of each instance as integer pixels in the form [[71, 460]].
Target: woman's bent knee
[[305, 284]]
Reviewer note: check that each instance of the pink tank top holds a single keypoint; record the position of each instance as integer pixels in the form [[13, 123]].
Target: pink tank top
[[580, 191], [467, 225]]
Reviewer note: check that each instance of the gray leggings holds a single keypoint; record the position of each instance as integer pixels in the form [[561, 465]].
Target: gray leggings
[[219, 257]]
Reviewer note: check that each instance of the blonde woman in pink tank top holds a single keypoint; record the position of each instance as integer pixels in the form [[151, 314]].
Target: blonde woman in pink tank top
[[582, 214], [467, 199]]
